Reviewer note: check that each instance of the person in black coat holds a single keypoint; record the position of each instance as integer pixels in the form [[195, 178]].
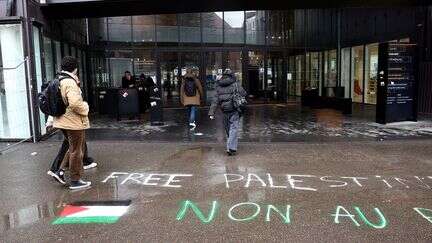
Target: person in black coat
[[225, 89], [128, 81]]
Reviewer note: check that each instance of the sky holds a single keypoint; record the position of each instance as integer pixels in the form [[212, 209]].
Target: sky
[[234, 19]]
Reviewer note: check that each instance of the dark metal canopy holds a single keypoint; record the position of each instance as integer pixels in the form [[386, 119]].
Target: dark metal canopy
[[106, 8]]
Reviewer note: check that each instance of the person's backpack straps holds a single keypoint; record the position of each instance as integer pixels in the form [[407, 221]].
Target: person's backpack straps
[[190, 87], [239, 101]]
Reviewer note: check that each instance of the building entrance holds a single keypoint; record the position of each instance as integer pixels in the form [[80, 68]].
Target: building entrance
[[173, 67]]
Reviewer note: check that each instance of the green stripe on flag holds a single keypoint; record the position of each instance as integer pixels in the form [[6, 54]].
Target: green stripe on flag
[[86, 220]]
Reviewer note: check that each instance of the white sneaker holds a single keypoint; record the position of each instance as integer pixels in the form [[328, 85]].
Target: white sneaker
[[192, 125], [75, 185], [90, 166], [58, 176]]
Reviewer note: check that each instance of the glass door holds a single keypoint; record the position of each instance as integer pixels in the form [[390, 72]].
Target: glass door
[[291, 76], [256, 75], [37, 37], [190, 60], [14, 107], [213, 63], [275, 84], [170, 73]]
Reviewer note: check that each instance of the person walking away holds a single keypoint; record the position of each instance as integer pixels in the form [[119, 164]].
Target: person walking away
[[73, 122], [191, 92], [226, 88]]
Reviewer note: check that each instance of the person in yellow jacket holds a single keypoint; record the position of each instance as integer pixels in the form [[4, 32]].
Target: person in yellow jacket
[[73, 123]]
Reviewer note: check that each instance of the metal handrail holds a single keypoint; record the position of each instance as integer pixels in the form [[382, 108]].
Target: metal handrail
[[2, 151], [12, 68]]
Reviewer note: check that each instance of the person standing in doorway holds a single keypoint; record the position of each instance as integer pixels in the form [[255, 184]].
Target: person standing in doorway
[[227, 86], [191, 92], [73, 122], [128, 81]]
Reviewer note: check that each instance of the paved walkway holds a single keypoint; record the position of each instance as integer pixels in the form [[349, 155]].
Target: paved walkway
[[366, 191]]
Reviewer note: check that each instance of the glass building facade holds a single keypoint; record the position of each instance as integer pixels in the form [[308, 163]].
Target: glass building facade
[[259, 46], [208, 42], [276, 55]]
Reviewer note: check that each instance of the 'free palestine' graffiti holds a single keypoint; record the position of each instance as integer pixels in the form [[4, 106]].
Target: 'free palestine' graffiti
[[279, 181], [357, 216]]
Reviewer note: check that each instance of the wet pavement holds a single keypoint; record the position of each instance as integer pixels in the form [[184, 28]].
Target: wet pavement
[[263, 123], [363, 191]]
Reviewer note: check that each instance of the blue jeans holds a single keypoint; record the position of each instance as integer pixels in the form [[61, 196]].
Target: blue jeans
[[192, 113], [231, 125]]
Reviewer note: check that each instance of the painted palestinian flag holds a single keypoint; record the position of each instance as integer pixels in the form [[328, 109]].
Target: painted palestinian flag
[[100, 212]]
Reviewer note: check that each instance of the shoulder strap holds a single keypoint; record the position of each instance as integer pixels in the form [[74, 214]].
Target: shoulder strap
[[236, 89], [62, 76]]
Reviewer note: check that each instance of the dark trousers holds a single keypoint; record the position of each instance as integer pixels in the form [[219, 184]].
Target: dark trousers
[[55, 165], [74, 156]]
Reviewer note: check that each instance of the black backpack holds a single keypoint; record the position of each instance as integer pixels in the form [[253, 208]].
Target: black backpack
[[190, 87], [50, 100]]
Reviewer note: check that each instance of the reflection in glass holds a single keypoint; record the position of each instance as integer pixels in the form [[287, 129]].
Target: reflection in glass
[[308, 72], [275, 27], [299, 74], [143, 28], [234, 62], [73, 51], [38, 68], [345, 71], [371, 73], [98, 29], [166, 28], [119, 29], [66, 51], [255, 27], [80, 66], [357, 74], [99, 73], [213, 73], [274, 76], [118, 66], [145, 64], [315, 74], [331, 72], [291, 76], [58, 55], [190, 30], [212, 27], [234, 23], [49, 59], [256, 73], [170, 78], [14, 116], [120, 62]]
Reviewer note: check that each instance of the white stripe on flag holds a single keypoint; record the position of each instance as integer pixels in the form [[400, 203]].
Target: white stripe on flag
[[95, 211]]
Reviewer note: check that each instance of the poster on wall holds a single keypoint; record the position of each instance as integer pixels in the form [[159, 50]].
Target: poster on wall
[[397, 96]]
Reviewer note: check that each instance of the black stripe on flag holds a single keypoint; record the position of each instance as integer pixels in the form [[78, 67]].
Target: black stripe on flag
[[102, 203]]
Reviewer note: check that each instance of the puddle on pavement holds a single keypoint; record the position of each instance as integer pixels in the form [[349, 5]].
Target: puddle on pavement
[[34, 213], [29, 215]]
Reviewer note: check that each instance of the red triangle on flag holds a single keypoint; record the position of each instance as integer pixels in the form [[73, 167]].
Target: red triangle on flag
[[68, 210]]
